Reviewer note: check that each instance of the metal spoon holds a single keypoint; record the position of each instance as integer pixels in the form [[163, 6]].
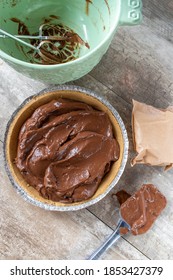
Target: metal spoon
[[110, 241]]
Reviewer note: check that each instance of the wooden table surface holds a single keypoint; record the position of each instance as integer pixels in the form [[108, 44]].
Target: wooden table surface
[[138, 65]]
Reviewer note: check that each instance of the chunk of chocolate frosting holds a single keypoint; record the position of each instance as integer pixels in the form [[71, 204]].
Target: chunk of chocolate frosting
[[65, 148], [122, 196], [142, 209]]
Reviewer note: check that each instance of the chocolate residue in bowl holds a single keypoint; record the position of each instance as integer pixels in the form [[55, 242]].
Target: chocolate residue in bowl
[[54, 17], [107, 4], [22, 28], [13, 3], [63, 50], [142, 209], [65, 149], [88, 2], [66, 48]]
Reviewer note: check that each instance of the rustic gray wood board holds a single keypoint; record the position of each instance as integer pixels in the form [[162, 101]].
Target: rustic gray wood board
[[138, 65]]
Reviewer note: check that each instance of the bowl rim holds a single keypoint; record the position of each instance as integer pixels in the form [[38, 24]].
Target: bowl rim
[[86, 203], [4, 55]]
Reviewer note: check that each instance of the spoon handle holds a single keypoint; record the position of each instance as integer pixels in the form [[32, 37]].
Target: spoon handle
[[109, 242]]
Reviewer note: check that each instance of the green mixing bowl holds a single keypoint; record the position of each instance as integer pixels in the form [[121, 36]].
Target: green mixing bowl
[[94, 21]]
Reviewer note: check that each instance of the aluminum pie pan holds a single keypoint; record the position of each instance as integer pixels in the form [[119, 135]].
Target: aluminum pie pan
[[71, 89]]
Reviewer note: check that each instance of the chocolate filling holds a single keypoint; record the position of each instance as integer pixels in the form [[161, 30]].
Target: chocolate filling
[[65, 149]]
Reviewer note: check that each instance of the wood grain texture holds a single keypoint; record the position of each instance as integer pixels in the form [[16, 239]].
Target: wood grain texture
[[28, 232], [132, 179], [138, 65]]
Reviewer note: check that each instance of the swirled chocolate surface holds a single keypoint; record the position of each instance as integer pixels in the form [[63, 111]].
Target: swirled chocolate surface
[[142, 209], [65, 149]]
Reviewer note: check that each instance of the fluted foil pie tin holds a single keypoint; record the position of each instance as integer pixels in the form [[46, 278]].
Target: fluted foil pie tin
[[25, 110]]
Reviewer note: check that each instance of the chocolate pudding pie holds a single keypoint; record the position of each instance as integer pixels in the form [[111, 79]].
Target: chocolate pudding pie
[[65, 148]]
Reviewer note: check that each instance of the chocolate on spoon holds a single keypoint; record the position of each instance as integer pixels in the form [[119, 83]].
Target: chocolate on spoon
[[137, 214], [142, 209]]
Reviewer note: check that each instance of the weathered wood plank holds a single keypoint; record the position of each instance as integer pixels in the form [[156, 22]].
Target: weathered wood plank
[[14, 88], [158, 16], [137, 65], [28, 232], [107, 209]]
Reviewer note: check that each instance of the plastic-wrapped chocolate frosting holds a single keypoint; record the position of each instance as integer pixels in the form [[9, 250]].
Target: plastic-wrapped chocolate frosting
[[152, 135]]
